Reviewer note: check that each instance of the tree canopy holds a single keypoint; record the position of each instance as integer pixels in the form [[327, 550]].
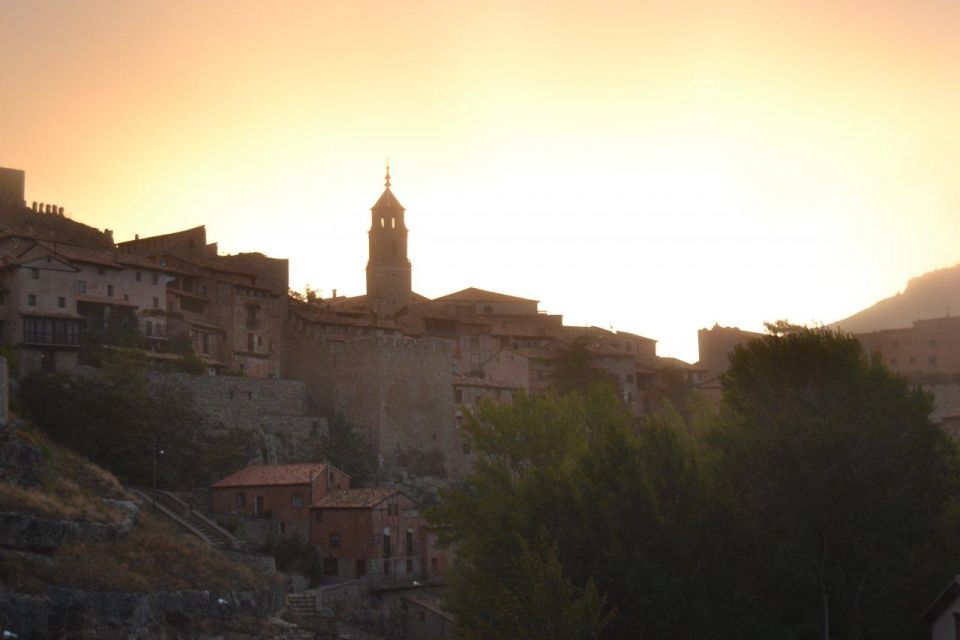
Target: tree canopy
[[819, 503]]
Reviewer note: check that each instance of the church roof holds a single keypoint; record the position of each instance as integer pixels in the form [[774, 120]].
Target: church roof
[[472, 294], [388, 201]]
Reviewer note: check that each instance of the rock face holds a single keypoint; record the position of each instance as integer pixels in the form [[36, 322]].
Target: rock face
[[108, 615], [19, 461], [28, 532]]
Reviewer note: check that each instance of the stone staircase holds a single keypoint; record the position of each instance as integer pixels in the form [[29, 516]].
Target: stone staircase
[[302, 604], [194, 522]]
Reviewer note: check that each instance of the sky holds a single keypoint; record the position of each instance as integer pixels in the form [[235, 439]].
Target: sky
[[651, 166]]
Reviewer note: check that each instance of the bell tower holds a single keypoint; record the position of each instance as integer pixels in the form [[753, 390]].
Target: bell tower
[[388, 268]]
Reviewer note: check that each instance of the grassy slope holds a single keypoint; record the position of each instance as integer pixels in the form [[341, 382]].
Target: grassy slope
[[155, 556]]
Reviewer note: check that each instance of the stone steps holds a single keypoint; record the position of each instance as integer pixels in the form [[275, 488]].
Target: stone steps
[[196, 523]]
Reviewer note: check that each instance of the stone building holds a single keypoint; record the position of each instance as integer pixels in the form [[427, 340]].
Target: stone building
[[53, 292], [231, 308], [280, 495], [372, 533], [930, 346]]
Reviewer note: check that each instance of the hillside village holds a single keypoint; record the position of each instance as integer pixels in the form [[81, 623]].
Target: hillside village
[[283, 367]]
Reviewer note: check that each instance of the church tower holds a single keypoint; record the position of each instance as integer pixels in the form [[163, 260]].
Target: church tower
[[388, 269]]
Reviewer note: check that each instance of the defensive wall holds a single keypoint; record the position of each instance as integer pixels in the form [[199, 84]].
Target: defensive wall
[[397, 391]]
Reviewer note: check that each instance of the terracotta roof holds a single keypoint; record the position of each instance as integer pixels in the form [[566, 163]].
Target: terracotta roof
[[472, 294], [274, 474], [355, 498], [387, 201]]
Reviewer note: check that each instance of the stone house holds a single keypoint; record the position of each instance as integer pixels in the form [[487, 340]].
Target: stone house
[[51, 292], [232, 308], [368, 532], [436, 558], [281, 495]]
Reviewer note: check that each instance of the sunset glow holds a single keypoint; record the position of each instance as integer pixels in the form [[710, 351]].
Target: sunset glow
[[652, 166]]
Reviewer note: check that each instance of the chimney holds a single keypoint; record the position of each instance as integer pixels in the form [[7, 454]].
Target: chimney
[[334, 293]]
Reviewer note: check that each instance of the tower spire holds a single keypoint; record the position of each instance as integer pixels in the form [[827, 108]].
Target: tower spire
[[386, 181]]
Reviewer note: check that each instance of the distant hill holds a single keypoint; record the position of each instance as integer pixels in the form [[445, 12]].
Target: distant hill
[[932, 295]]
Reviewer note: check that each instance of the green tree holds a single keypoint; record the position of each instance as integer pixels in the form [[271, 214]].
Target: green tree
[[567, 472], [121, 421], [345, 448], [573, 369], [839, 487]]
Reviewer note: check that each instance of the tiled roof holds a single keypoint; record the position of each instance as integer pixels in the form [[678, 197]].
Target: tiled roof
[[355, 498], [276, 474], [472, 294]]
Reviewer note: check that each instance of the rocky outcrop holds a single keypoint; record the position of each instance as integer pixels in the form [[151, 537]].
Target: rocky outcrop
[[63, 612], [20, 461], [42, 535]]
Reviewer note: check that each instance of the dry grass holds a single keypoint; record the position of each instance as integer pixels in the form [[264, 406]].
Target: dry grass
[[155, 556], [71, 487]]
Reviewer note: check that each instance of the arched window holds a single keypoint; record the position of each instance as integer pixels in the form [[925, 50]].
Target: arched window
[[383, 223], [393, 223], [487, 309]]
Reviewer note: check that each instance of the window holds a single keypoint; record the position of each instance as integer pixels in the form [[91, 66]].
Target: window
[[281, 527], [459, 394], [386, 544], [331, 566], [110, 290], [487, 308], [203, 291], [933, 359], [138, 275], [155, 278], [630, 377], [297, 501], [259, 341], [466, 448], [434, 564], [318, 515], [895, 344], [81, 286], [409, 541], [148, 328], [334, 540], [35, 274], [205, 342], [31, 300], [361, 568], [422, 616], [62, 302], [409, 568], [241, 499], [386, 567], [102, 271], [250, 346], [50, 331], [933, 344], [156, 303]]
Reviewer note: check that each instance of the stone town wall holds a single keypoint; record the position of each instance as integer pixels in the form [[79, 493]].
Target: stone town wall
[[280, 416], [397, 391]]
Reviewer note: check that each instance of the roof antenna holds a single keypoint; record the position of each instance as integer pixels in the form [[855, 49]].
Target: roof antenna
[[387, 179]]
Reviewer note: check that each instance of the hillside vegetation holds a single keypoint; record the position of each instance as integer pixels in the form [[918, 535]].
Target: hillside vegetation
[[154, 556], [932, 295]]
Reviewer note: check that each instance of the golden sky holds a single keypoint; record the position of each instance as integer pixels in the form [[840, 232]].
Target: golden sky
[[653, 166]]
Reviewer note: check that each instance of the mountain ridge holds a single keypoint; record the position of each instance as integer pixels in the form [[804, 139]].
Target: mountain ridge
[[934, 294]]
